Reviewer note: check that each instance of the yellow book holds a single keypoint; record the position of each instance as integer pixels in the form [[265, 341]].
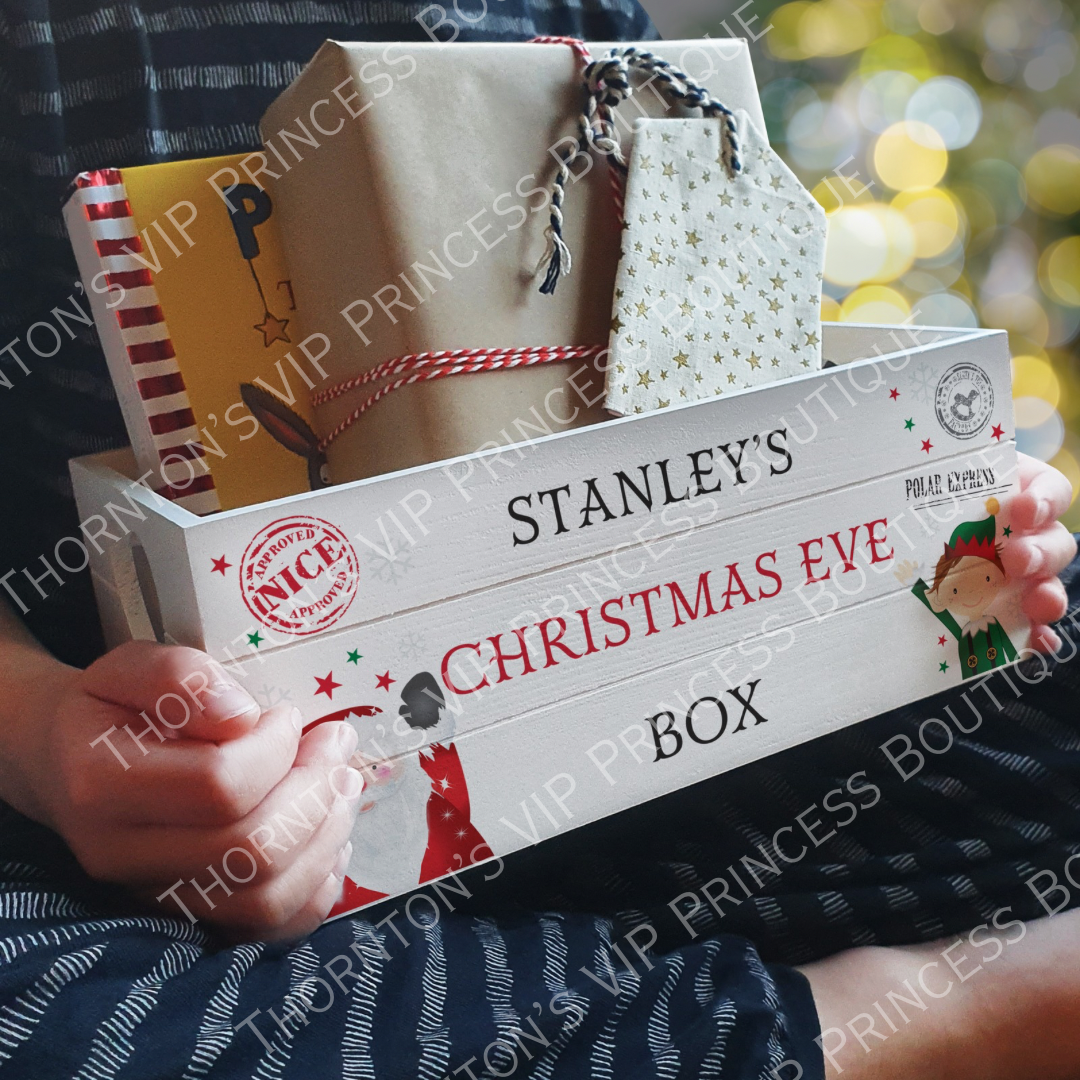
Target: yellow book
[[184, 270]]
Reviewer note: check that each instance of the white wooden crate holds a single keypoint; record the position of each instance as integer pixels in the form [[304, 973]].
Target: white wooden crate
[[343, 599]]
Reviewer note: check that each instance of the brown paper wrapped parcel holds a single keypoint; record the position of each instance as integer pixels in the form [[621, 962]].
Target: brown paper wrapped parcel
[[418, 209]]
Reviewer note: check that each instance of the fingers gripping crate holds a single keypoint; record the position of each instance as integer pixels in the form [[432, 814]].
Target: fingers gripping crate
[[530, 638]]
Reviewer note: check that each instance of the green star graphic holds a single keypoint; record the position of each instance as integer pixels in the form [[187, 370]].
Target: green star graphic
[[909, 424], [1007, 531], [943, 666], [255, 639], [355, 657]]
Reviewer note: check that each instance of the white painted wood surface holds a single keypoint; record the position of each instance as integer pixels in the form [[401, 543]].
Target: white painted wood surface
[[755, 576], [860, 465], [443, 530]]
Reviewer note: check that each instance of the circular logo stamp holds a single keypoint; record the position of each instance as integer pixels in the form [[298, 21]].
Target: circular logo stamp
[[964, 400], [299, 575]]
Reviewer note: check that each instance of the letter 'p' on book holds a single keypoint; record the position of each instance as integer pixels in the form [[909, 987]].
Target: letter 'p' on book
[[183, 268]]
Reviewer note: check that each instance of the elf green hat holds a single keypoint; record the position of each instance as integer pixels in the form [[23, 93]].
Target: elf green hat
[[977, 538]]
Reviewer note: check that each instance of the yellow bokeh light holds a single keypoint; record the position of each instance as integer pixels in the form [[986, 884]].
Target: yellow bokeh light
[[830, 309], [910, 155], [1034, 377], [900, 243], [1065, 461], [875, 304], [827, 196], [836, 27], [856, 248], [934, 217], [783, 39], [1032, 412], [1059, 271], [834, 192], [801, 30], [1053, 179], [962, 286], [896, 52]]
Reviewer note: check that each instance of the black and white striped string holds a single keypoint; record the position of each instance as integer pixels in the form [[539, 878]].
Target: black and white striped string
[[607, 85]]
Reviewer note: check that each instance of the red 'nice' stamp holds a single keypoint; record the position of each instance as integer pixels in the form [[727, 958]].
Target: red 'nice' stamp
[[299, 575]]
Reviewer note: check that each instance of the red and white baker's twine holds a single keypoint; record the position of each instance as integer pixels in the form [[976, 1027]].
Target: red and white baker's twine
[[607, 84], [428, 366]]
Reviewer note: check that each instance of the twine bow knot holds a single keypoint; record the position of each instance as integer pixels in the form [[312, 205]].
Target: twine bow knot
[[607, 85]]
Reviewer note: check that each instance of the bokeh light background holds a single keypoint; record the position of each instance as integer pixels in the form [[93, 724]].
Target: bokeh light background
[[943, 140]]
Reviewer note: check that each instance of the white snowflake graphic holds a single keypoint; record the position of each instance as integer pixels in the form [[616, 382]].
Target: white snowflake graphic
[[922, 383], [269, 696], [411, 647], [392, 569]]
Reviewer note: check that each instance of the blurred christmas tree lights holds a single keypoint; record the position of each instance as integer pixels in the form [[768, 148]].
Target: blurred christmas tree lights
[[943, 140]]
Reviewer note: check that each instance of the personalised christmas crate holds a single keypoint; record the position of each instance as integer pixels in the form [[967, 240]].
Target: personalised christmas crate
[[531, 638]]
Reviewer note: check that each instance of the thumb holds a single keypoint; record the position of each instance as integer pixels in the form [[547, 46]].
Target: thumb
[[181, 691]]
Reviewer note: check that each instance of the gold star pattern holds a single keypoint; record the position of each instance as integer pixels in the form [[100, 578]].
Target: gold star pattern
[[711, 277]]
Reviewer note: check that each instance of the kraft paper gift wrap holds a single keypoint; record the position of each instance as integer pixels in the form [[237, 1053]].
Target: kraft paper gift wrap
[[719, 285], [438, 157]]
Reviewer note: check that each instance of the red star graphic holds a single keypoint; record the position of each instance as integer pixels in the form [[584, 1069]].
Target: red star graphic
[[327, 686], [383, 682], [894, 393], [220, 566], [927, 445], [997, 432], [941, 640]]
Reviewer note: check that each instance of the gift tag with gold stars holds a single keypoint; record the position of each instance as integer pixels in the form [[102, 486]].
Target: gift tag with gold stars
[[719, 281]]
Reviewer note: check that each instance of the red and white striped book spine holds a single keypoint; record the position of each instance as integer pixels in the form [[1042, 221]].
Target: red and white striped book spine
[[135, 336]]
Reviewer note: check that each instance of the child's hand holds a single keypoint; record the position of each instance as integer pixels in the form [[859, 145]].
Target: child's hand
[[1040, 547], [202, 802]]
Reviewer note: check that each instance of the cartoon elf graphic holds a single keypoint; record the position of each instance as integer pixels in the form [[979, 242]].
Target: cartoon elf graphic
[[967, 580]]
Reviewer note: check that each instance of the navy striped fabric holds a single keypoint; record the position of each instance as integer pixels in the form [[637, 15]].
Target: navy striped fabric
[[87, 991], [86, 84], [528, 968]]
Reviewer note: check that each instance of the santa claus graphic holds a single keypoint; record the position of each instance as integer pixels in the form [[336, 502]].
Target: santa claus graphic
[[453, 841], [415, 805]]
